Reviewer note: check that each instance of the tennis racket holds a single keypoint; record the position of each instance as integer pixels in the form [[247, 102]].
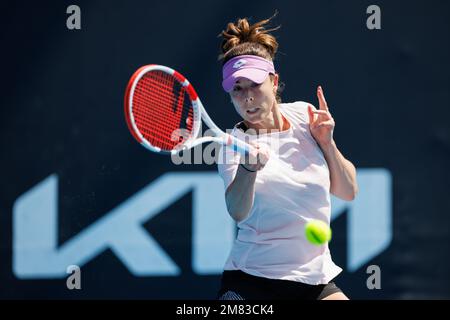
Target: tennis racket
[[164, 113]]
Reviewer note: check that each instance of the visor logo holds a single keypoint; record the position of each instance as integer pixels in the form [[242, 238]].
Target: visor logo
[[239, 63]]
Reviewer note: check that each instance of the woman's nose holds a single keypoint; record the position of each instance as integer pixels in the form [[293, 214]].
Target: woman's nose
[[248, 99]]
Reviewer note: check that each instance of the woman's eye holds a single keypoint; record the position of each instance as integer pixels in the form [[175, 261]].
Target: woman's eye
[[236, 88]]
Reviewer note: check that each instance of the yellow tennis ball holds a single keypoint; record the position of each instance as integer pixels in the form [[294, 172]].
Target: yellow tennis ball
[[317, 232]]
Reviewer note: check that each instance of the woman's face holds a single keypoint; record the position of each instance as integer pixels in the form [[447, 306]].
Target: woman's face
[[254, 102]]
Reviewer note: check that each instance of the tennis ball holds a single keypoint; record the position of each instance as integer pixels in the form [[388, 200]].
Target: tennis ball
[[317, 232]]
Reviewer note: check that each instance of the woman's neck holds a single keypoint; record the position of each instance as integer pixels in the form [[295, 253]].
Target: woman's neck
[[275, 123]]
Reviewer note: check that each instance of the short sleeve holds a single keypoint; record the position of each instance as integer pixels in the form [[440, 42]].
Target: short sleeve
[[227, 165], [298, 111]]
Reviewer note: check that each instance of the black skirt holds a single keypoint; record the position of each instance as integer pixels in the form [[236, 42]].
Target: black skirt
[[238, 285]]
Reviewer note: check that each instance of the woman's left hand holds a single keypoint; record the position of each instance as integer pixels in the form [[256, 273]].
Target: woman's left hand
[[321, 123]]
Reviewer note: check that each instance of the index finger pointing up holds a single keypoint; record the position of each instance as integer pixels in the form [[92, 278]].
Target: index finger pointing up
[[322, 102]]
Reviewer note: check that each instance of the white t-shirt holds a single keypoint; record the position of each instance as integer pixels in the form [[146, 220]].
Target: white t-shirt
[[292, 189]]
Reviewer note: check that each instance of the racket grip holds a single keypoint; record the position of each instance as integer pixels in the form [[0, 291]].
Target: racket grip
[[238, 145]]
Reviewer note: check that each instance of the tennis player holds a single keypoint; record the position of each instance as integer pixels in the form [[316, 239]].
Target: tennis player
[[273, 194]]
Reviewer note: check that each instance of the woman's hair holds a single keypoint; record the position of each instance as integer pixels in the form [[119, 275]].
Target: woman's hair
[[241, 38]]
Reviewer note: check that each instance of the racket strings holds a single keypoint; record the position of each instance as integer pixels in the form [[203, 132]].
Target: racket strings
[[161, 102], [162, 110]]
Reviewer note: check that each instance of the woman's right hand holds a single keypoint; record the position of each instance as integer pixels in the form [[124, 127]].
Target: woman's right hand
[[257, 159]]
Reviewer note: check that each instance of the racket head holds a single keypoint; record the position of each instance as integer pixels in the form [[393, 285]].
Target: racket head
[[162, 109]]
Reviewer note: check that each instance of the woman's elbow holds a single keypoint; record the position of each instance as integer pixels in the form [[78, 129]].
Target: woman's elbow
[[237, 215], [347, 195], [352, 195]]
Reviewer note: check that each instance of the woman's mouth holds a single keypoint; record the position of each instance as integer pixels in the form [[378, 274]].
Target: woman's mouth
[[252, 110]]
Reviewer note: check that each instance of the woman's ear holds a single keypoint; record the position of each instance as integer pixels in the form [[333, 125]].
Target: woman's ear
[[275, 82]]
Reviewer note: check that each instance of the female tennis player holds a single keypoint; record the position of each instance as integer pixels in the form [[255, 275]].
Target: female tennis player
[[274, 193]]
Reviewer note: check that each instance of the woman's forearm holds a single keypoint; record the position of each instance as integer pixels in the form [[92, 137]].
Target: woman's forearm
[[240, 194], [342, 173]]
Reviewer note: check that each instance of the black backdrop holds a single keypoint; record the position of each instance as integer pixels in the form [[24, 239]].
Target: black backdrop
[[62, 115]]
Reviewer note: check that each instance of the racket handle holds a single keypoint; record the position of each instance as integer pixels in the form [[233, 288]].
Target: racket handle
[[239, 145]]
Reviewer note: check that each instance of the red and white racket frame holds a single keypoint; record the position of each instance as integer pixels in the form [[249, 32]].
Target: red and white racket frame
[[199, 113]]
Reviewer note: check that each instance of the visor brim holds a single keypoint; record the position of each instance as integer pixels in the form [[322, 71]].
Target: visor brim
[[255, 75]]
